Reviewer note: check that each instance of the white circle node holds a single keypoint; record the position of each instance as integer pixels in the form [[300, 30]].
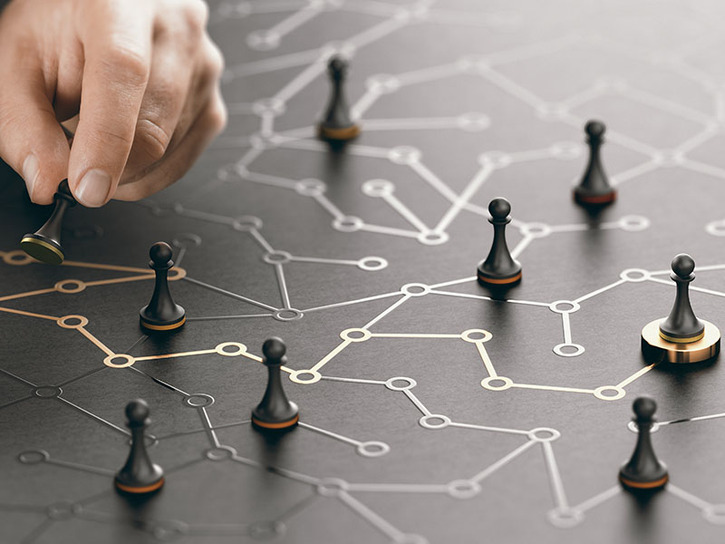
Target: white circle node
[[272, 105], [564, 307], [568, 349], [33, 457], [544, 434], [635, 275], [332, 487], [415, 289], [716, 228], [266, 530], [310, 187], [347, 223], [496, 159], [372, 264], [565, 517], [497, 383], [277, 257], [372, 448], [220, 453], [463, 489], [355, 335], [715, 513], [237, 349], [391, 384], [599, 392], [633, 223], [474, 336], [246, 223], [305, 377], [632, 426], [566, 150], [552, 112], [473, 121], [434, 421], [198, 400], [432, 238], [405, 155], [288, 314], [378, 188], [383, 83], [263, 40], [535, 230]]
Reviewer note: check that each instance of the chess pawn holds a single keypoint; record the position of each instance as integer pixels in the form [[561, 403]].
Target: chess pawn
[[139, 475], [644, 471], [682, 325], [594, 187], [162, 313], [499, 268], [44, 245], [275, 412], [337, 124]]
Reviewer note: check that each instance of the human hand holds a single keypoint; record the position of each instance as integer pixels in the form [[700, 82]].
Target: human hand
[[141, 75]]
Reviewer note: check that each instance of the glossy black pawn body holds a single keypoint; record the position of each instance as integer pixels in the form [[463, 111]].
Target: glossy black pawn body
[[644, 471], [162, 313], [139, 475], [337, 124], [276, 411], [594, 188], [682, 325], [44, 244], [499, 268]]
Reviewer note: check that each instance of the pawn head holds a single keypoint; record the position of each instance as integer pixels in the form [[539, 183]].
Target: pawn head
[[644, 408], [160, 253], [595, 129], [683, 265], [337, 66], [137, 411], [499, 208], [274, 349]]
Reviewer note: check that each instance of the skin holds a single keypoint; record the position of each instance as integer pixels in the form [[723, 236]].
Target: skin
[[137, 81]]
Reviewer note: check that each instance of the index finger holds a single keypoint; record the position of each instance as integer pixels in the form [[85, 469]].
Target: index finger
[[117, 38]]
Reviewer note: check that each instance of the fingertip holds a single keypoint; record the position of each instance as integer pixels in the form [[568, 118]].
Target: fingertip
[[93, 188]]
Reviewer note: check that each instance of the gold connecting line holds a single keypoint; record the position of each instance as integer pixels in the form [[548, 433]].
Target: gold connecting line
[[100, 345], [486, 360], [28, 314]]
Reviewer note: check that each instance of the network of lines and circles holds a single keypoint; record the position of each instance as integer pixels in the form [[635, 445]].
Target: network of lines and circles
[[390, 18]]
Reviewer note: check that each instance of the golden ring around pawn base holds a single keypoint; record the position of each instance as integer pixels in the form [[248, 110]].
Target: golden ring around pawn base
[[655, 348]]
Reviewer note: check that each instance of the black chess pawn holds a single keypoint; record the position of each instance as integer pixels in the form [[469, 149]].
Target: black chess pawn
[[594, 188], [644, 471], [337, 124], [275, 412], [162, 313], [682, 325], [44, 244], [499, 268], [139, 475]]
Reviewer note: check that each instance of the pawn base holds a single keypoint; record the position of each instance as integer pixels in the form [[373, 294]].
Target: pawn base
[[42, 248], [643, 486], [156, 325], [595, 200], [338, 134], [656, 349], [488, 280], [276, 426], [139, 490]]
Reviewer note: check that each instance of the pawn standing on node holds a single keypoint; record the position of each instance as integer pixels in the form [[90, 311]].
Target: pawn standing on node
[[275, 412], [337, 124], [594, 188], [162, 313], [681, 337], [139, 475], [44, 244], [644, 471], [499, 268]]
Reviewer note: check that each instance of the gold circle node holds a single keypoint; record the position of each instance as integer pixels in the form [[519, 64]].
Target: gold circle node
[[63, 321], [61, 286], [129, 360], [11, 258]]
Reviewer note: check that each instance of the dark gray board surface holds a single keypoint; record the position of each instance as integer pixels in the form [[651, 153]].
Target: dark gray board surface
[[494, 96]]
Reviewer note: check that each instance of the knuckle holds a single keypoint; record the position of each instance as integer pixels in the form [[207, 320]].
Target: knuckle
[[126, 64], [213, 62], [196, 15], [152, 139], [218, 116]]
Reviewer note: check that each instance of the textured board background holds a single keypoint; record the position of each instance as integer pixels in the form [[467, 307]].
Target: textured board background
[[279, 235]]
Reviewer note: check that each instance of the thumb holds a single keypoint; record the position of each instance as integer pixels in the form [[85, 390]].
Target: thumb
[[32, 141]]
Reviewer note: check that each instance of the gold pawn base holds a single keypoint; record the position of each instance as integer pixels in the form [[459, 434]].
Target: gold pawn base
[[657, 349]]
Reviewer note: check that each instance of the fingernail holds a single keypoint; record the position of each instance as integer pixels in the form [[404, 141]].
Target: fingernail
[[93, 189], [31, 169]]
